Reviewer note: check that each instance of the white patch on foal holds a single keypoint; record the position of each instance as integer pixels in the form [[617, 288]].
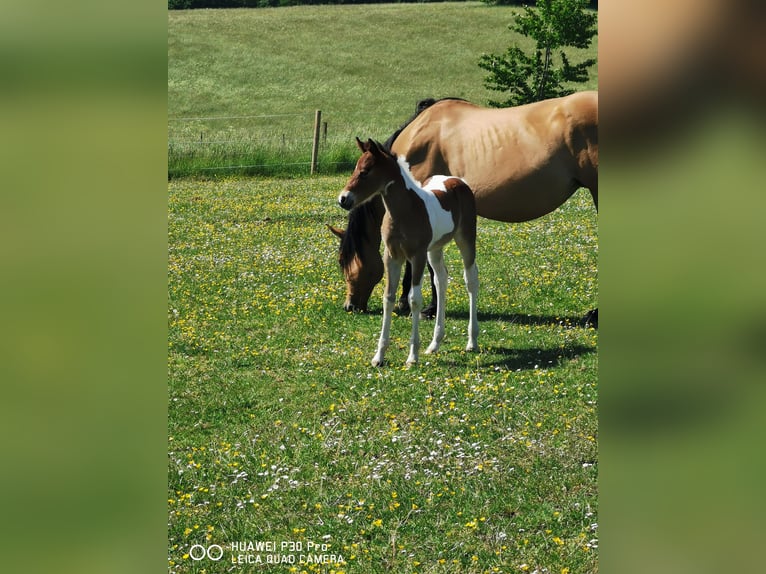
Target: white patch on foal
[[440, 219]]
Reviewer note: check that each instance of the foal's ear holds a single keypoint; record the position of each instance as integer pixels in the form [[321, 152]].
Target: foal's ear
[[361, 145], [375, 147]]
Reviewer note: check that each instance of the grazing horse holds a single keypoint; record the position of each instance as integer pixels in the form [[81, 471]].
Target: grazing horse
[[521, 163], [418, 222]]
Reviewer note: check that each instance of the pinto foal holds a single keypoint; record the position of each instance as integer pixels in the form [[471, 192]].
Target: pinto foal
[[417, 225]]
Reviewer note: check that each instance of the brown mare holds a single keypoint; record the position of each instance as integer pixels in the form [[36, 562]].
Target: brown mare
[[417, 224], [521, 163]]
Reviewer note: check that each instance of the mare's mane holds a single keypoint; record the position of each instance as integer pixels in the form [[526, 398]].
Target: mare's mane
[[421, 106], [359, 218]]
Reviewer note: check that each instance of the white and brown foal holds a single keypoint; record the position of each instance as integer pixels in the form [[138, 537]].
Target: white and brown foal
[[417, 225]]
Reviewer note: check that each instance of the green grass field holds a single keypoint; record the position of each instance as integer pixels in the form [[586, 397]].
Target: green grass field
[[257, 77], [281, 431]]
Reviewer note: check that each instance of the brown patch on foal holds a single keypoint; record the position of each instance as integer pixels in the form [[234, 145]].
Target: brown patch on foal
[[450, 199]]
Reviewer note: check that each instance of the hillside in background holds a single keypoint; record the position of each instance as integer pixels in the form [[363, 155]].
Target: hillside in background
[[266, 71]]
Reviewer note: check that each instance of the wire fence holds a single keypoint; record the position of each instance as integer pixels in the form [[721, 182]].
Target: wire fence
[[259, 144]]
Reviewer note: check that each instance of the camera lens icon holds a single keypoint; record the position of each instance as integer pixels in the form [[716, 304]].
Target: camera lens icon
[[213, 552]]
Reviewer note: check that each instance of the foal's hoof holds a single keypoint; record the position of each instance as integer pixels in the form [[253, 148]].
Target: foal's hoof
[[377, 361]]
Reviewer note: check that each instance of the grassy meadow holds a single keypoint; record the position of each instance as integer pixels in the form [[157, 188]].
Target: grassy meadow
[[256, 77], [280, 430]]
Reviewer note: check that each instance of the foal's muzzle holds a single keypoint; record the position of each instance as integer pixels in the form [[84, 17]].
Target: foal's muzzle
[[346, 200]]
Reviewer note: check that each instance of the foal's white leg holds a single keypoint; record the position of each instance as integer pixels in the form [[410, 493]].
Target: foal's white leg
[[436, 259], [393, 271], [471, 277]]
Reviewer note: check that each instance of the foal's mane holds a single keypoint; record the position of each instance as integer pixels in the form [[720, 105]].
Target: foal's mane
[[371, 212]]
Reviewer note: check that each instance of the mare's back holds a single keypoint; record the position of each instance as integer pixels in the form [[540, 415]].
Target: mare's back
[[519, 161]]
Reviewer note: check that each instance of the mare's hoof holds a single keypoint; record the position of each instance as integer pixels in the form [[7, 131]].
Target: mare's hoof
[[429, 312], [591, 319], [402, 307]]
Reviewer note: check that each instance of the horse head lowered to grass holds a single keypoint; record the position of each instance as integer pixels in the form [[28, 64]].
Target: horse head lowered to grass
[[521, 163], [418, 222]]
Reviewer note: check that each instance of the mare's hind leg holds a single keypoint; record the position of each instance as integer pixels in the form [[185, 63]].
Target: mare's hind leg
[[393, 271], [436, 259], [593, 189], [591, 317]]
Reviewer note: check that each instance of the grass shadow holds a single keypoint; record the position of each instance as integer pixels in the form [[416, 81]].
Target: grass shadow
[[520, 359], [527, 319]]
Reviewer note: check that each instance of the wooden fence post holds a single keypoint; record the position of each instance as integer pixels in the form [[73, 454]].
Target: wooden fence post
[[315, 147]]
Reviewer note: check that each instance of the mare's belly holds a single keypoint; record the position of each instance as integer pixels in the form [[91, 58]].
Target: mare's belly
[[521, 203]]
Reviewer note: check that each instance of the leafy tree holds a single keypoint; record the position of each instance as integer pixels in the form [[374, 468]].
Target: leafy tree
[[553, 24]]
